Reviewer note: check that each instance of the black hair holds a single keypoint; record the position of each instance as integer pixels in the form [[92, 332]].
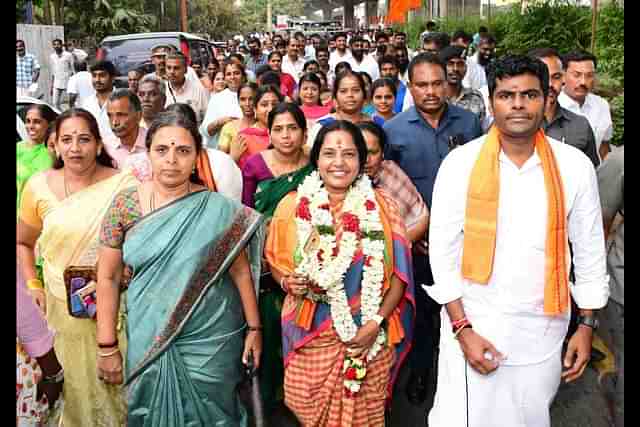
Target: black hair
[[381, 36], [348, 127], [280, 44], [516, 65], [265, 89], [322, 48], [355, 40], [345, 74], [441, 39], [250, 85], [578, 56], [426, 58], [56, 40], [238, 56], [261, 70], [482, 29], [103, 158], [134, 101], [45, 112], [275, 52], [431, 25], [214, 61], [376, 130], [384, 82], [342, 66], [323, 77], [270, 78], [104, 66], [311, 78], [254, 40], [544, 52], [184, 109], [310, 62], [366, 76], [389, 59], [234, 64], [287, 107], [461, 34], [451, 52], [487, 38], [179, 115]]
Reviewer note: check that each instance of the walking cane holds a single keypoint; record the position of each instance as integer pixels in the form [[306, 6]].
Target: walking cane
[[256, 398]]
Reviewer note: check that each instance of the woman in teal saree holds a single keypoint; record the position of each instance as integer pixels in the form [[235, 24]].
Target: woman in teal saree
[[194, 257]]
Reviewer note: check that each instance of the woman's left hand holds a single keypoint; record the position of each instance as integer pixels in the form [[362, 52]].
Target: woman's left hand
[[253, 343], [363, 340]]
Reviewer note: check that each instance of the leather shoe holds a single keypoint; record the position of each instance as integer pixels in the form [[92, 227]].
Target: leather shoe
[[417, 389]]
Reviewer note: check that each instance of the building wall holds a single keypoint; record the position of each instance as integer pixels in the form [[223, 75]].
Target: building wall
[[38, 41]]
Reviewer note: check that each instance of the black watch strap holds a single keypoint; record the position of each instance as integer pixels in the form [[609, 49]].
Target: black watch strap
[[590, 321]]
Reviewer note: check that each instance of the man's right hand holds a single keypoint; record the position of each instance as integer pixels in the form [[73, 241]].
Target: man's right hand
[[474, 347]]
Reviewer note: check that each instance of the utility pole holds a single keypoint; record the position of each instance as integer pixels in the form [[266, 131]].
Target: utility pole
[[183, 14], [594, 21], [269, 18]]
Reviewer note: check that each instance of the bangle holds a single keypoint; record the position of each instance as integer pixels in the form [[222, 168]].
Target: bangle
[[56, 378], [457, 332], [282, 285], [35, 284], [109, 345], [254, 328], [111, 353], [456, 323]]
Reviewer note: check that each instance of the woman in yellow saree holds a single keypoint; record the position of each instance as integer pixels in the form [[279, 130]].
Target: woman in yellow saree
[[62, 209]]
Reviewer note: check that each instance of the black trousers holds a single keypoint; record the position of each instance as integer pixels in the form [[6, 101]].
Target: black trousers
[[426, 334]]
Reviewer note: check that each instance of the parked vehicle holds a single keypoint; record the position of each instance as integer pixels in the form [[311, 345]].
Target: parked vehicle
[[133, 51]]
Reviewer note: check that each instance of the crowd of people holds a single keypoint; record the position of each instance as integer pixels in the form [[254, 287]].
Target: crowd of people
[[327, 209]]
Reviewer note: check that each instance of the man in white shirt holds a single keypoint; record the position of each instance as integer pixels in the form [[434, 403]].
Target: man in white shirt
[[125, 111], [341, 54], [360, 61], [102, 74], [504, 291], [577, 97], [80, 85], [181, 89], [79, 55], [61, 70], [292, 62], [477, 64]]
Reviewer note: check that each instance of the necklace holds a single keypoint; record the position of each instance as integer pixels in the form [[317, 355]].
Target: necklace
[[67, 191], [152, 199]]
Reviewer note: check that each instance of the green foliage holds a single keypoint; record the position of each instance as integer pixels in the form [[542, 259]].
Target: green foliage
[[545, 23], [617, 115], [610, 42]]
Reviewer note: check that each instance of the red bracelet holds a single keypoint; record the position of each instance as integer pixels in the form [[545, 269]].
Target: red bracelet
[[457, 323], [461, 325]]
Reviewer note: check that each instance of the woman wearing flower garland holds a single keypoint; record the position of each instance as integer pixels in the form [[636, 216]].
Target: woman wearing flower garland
[[339, 249]]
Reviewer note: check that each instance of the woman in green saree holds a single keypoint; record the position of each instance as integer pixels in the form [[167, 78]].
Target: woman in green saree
[[32, 156], [195, 256], [268, 177]]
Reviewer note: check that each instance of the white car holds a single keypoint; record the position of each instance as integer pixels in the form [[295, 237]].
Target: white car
[[23, 102]]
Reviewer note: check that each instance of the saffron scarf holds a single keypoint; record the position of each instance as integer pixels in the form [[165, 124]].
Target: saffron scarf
[[481, 218]]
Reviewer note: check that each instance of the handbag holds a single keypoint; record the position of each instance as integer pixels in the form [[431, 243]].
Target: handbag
[[80, 284]]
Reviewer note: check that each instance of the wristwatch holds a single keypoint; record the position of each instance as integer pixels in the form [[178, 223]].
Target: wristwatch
[[589, 321], [378, 319]]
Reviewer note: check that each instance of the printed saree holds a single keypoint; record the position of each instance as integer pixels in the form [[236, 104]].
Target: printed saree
[[257, 141], [70, 237], [269, 193], [184, 314], [313, 356]]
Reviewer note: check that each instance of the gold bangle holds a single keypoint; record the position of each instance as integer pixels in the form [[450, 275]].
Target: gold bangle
[[111, 353], [35, 284]]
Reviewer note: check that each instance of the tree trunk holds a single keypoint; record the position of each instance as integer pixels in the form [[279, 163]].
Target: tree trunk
[[46, 7], [58, 7]]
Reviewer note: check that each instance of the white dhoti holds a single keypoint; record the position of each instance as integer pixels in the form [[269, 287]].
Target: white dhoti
[[511, 396]]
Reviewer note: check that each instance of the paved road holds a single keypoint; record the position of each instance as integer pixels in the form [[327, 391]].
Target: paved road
[[577, 405]]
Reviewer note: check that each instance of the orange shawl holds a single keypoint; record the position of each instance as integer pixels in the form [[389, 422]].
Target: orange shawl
[[481, 218]]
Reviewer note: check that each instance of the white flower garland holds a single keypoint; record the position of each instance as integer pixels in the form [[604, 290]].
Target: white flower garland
[[328, 269]]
